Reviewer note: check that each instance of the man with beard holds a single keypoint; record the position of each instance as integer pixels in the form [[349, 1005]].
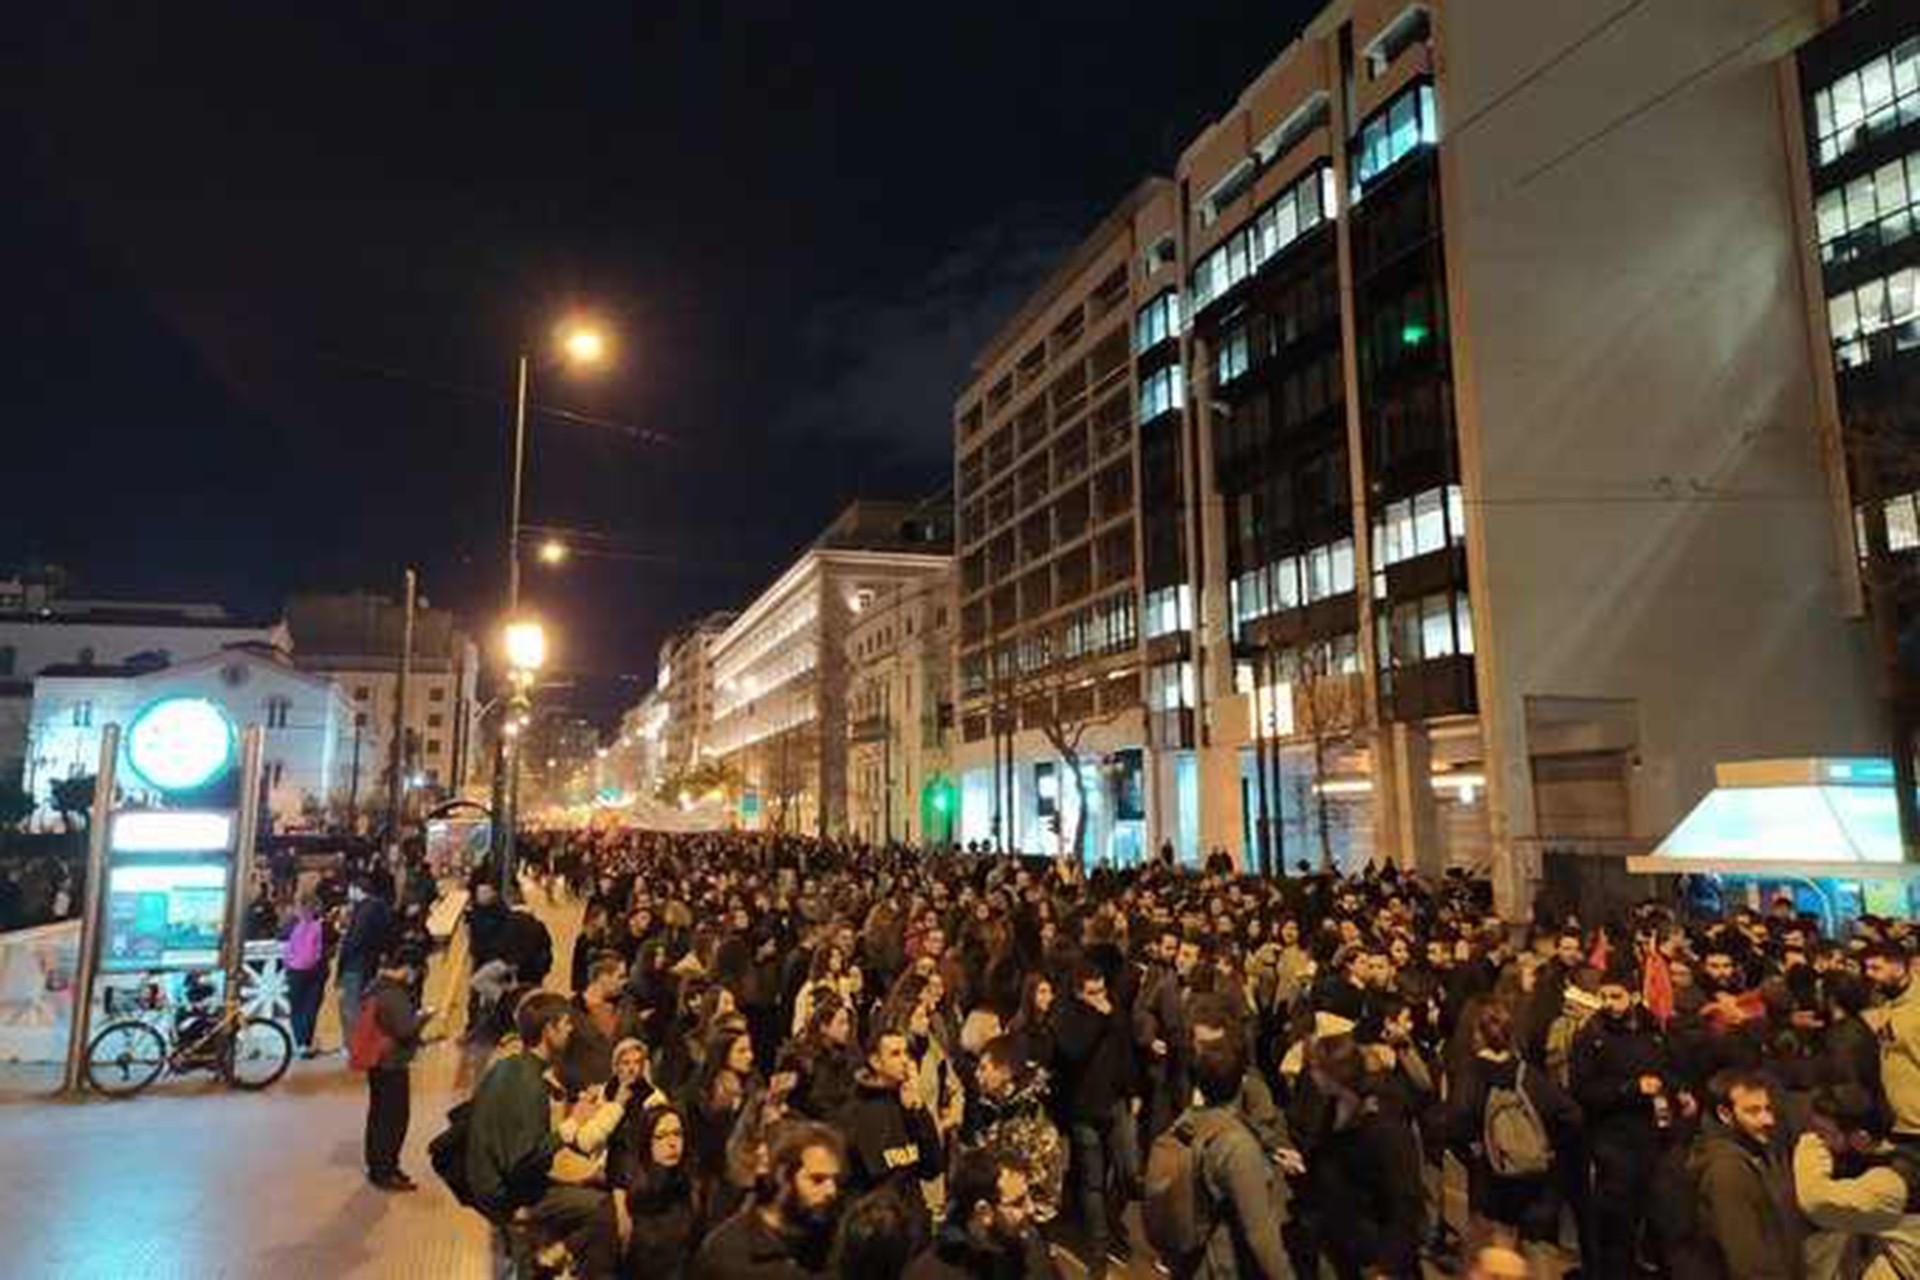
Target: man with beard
[[1746, 1197], [786, 1231], [1897, 1023], [891, 1139], [989, 1232], [1161, 1030], [1618, 1072]]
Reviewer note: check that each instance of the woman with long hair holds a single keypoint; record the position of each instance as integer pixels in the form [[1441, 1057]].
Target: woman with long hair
[[1032, 1026], [662, 1211], [824, 1060]]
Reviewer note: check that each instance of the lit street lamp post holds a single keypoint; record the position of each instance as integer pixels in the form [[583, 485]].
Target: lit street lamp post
[[581, 344]]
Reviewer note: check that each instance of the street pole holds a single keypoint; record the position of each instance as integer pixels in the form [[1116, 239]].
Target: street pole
[[80, 1023], [353, 787], [886, 750], [397, 756], [505, 757], [233, 942]]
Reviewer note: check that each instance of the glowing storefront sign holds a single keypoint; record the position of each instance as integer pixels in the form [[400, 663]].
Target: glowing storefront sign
[[180, 743]]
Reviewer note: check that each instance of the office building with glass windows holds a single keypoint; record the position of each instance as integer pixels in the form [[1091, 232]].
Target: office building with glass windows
[[1857, 85], [1445, 466], [1505, 380], [1073, 485]]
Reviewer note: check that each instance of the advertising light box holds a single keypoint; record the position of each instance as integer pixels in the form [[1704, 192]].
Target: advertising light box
[[164, 914]]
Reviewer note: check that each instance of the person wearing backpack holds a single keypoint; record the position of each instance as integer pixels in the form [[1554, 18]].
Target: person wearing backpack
[[382, 1045], [1213, 1207], [1505, 1119]]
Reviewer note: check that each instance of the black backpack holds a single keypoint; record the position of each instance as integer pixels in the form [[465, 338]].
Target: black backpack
[[448, 1154]]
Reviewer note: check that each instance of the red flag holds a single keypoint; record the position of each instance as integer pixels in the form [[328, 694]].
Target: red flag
[[1602, 953], [1656, 986]]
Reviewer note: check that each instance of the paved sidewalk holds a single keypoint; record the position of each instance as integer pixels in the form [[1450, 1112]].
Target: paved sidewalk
[[198, 1182]]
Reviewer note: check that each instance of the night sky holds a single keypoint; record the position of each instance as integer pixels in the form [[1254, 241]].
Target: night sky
[[267, 266]]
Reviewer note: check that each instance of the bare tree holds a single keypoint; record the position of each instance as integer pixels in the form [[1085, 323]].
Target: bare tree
[[1063, 701], [1326, 704]]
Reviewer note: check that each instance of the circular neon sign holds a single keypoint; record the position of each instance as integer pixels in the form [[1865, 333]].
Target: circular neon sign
[[180, 743]]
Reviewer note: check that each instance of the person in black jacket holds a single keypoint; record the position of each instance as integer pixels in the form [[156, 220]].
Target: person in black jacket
[[786, 1230], [1852, 1049], [891, 1139], [989, 1231], [1093, 1063], [1619, 1074], [1522, 1202], [364, 943]]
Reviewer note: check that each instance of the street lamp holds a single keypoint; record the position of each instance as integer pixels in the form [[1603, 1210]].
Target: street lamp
[[580, 343], [526, 647]]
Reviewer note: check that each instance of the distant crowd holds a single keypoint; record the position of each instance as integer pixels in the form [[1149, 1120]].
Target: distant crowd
[[789, 1057]]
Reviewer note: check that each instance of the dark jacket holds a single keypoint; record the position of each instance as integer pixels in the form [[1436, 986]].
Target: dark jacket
[[744, 1247], [1092, 1059], [487, 931], [1853, 1055], [1249, 1203], [1605, 1067], [887, 1144], [528, 947], [394, 1010], [588, 1059], [1746, 1208], [666, 1230], [368, 934], [511, 1140], [955, 1255]]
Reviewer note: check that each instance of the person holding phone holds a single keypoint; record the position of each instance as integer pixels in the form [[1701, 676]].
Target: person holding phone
[[394, 1032]]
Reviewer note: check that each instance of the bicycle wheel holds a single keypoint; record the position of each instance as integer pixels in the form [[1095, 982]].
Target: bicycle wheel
[[258, 1053], [125, 1058]]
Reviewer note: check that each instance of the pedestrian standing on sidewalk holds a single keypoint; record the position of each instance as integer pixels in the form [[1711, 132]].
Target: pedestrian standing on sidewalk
[[383, 1043], [306, 962], [365, 940]]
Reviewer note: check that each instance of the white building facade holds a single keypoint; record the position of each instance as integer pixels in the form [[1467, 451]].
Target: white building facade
[[306, 720]]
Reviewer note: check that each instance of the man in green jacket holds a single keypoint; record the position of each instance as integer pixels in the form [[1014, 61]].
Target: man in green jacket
[[1746, 1194], [514, 1134]]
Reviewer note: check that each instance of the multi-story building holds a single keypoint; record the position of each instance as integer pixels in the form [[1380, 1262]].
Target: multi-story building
[[1074, 486], [356, 639], [40, 628], [634, 764], [1859, 86], [304, 720], [1505, 385], [684, 673], [899, 657], [560, 758], [1447, 465], [780, 715]]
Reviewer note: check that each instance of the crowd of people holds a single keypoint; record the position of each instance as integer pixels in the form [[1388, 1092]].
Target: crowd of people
[[789, 1057]]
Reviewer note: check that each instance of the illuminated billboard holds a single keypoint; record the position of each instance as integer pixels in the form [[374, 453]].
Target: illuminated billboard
[[164, 914]]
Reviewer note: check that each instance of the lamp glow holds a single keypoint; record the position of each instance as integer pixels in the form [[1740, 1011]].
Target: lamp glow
[[526, 646], [585, 345], [554, 551]]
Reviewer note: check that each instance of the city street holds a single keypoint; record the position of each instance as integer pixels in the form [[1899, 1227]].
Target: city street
[[193, 1180]]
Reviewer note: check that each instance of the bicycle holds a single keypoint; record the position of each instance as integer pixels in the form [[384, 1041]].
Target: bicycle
[[132, 1052]]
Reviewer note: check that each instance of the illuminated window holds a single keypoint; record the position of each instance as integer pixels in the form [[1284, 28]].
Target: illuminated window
[[1294, 212], [1403, 126], [1877, 318], [1161, 391], [1873, 212], [1868, 102]]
